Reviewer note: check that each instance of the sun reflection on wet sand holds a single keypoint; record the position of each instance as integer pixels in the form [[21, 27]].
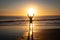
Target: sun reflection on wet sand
[[25, 35], [31, 27]]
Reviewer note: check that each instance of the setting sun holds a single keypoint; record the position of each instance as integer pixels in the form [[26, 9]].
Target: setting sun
[[31, 12]]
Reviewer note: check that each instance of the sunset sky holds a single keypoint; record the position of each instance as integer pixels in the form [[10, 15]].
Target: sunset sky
[[20, 7]]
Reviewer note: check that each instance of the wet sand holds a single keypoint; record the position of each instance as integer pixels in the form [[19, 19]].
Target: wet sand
[[44, 34]]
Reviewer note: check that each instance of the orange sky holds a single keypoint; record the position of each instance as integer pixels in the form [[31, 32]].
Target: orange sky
[[20, 9]]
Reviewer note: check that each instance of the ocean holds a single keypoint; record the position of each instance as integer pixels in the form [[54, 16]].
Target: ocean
[[17, 27]]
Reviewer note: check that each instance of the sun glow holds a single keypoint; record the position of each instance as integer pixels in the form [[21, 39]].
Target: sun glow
[[31, 12]]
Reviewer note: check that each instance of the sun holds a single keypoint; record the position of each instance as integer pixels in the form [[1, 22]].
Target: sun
[[31, 12]]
